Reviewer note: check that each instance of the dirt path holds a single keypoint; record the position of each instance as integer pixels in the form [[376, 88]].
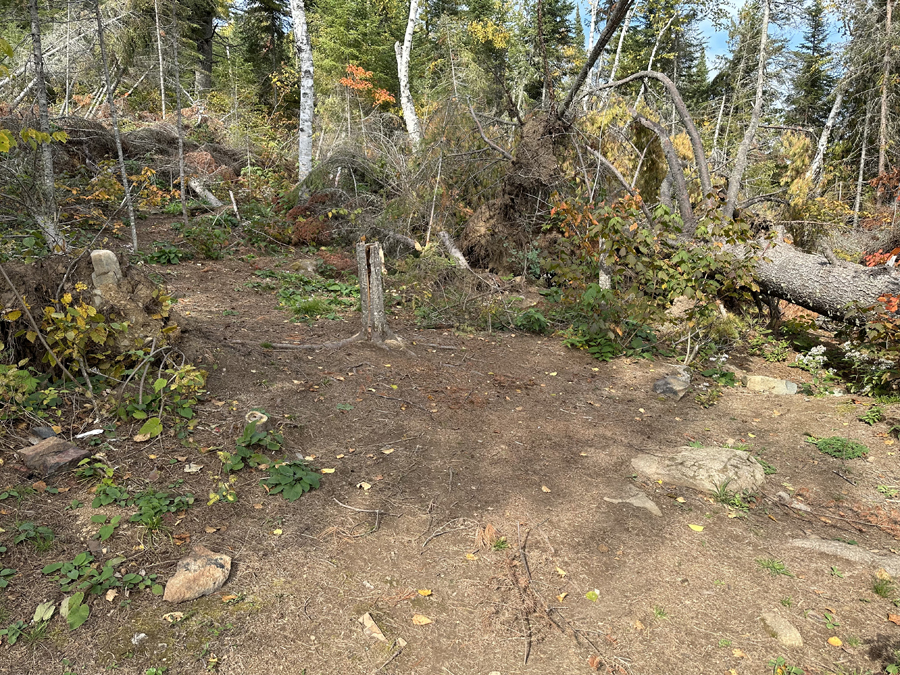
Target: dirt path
[[510, 432]]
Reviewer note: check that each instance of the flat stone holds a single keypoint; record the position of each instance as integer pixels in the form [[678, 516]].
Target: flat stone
[[769, 385], [51, 455], [38, 434], [106, 267], [201, 573], [636, 498], [857, 554], [672, 386], [781, 629], [705, 469]]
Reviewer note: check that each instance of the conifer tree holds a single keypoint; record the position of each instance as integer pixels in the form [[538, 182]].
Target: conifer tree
[[813, 82]]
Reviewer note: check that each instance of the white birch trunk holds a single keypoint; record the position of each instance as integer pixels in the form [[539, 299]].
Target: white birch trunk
[[159, 53], [305, 58], [47, 217], [743, 153], [862, 168], [814, 174], [406, 101], [179, 127], [659, 38], [885, 80], [114, 116]]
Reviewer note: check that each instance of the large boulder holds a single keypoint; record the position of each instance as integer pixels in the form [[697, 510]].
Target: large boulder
[[705, 469]]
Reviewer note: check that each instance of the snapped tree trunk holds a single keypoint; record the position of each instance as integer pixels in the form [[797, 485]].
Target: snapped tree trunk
[[814, 174], [159, 53], [305, 58], [406, 100], [885, 80], [862, 168], [47, 216], [743, 153], [114, 116], [179, 127]]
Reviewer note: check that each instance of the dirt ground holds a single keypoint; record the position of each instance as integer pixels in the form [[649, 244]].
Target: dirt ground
[[510, 432]]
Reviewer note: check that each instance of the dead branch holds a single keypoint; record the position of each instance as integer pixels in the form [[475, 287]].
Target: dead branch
[[621, 179], [484, 137]]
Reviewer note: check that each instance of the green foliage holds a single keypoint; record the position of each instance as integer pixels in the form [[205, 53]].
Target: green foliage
[[175, 395], [6, 573], [93, 469], [774, 567], [532, 320], [290, 479], [26, 391], [723, 377], [165, 253], [781, 667], [83, 574], [771, 349], [13, 632], [737, 500], [839, 447], [883, 587], [249, 446], [107, 529], [74, 611], [872, 415], [39, 535]]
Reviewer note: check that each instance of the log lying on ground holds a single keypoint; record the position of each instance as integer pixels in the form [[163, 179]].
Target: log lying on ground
[[811, 281], [203, 192]]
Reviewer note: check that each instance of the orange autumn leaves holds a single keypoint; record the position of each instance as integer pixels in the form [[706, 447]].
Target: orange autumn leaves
[[359, 80]]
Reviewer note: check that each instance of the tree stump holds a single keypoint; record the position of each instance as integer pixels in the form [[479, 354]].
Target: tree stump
[[370, 262]]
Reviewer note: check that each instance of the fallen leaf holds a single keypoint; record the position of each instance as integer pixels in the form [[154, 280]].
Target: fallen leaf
[[40, 486], [593, 595], [881, 574], [544, 488], [421, 620], [192, 468], [835, 641], [327, 470], [696, 528], [210, 530], [680, 500], [173, 617], [141, 438], [182, 458], [111, 594], [894, 618], [560, 572], [257, 506], [339, 457], [552, 374], [364, 486], [471, 556], [638, 625], [561, 597], [277, 533], [738, 654], [309, 458], [424, 592], [387, 452], [594, 662], [229, 598]]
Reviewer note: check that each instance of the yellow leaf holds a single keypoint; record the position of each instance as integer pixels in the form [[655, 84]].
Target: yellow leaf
[[66, 299], [277, 533], [471, 556], [561, 597], [696, 528], [421, 620], [544, 488], [388, 451], [560, 572], [638, 625], [835, 641], [13, 315], [424, 592], [364, 485], [752, 435], [327, 470], [738, 654], [680, 500]]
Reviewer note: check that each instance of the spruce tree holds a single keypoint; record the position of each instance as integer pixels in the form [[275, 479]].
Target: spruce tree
[[813, 82]]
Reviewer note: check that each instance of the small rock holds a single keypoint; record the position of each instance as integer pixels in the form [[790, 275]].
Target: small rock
[[52, 455], [770, 385], [889, 563], [307, 267], [201, 573], [138, 638], [781, 629], [38, 434], [674, 386], [636, 498], [705, 469], [106, 268]]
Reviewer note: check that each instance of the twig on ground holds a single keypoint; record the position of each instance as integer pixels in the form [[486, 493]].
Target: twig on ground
[[402, 400], [378, 513], [464, 523]]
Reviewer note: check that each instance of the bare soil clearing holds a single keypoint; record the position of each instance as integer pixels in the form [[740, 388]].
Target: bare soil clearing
[[506, 431]]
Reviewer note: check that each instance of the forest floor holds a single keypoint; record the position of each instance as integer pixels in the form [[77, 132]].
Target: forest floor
[[475, 433]]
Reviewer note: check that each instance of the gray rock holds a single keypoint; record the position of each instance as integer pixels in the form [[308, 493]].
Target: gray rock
[[674, 385], [38, 434], [770, 385], [875, 561], [307, 267], [52, 455], [636, 498], [704, 469], [106, 268], [781, 629], [201, 573]]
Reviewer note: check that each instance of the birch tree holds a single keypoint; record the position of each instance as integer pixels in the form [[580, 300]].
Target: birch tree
[[406, 101], [305, 57], [47, 216]]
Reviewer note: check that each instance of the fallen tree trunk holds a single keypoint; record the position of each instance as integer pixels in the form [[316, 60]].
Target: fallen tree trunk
[[811, 281]]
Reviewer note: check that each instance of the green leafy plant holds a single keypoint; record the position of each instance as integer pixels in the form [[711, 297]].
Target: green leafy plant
[[6, 574], [781, 667], [774, 567], [723, 377], [74, 610], [839, 447], [830, 622], [532, 320], [730, 497], [165, 253], [787, 601], [835, 572], [883, 587], [93, 469], [107, 529], [768, 469], [153, 504], [14, 631], [247, 450], [872, 415], [290, 479], [108, 493], [39, 535], [889, 491], [82, 574]]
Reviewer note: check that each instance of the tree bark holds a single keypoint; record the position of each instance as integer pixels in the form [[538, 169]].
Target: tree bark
[[48, 217], [659, 38], [159, 53], [305, 57], [179, 127], [625, 24], [810, 281], [885, 77], [743, 153], [814, 174], [203, 71], [114, 116], [406, 100], [613, 21], [862, 168]]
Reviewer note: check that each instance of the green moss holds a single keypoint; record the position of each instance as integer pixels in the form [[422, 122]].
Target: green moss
[[840, 447]]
